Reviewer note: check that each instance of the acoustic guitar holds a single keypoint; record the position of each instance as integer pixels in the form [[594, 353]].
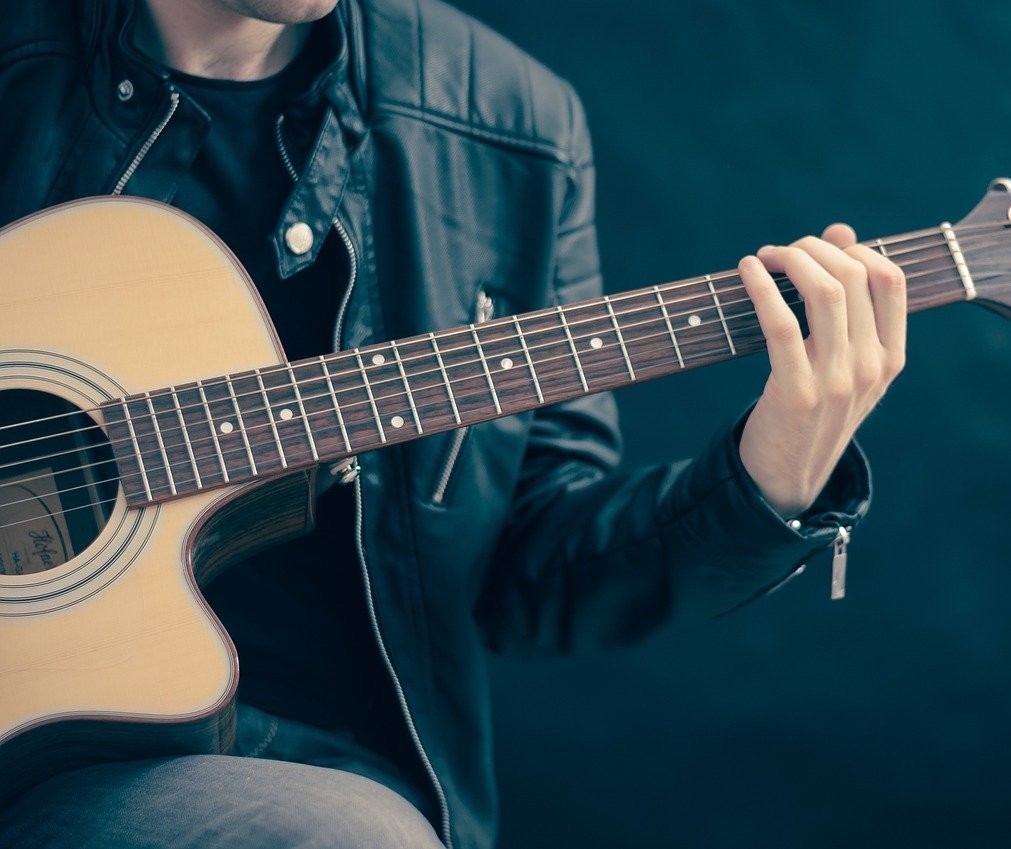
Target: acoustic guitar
[[151, 433]]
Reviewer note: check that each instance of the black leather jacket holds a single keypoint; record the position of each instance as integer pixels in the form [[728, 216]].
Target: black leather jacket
[[456, 169]]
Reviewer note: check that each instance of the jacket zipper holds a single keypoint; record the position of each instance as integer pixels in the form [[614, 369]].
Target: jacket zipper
[[283, 149], [839, 545], [405, 709], [484, 310], [151, 139]]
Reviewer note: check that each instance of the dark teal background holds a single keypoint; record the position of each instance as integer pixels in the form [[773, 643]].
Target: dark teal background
[[883, 720]]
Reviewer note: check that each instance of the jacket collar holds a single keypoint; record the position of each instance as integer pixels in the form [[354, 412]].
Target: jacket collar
[[127, 85], [324, 127]]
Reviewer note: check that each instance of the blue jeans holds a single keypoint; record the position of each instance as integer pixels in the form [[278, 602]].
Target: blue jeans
[[289, 786]]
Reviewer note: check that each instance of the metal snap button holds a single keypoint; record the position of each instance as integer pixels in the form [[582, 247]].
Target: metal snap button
[[124, 91], [298, 237]]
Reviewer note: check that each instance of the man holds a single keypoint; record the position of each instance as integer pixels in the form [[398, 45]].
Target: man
[[386, 168]]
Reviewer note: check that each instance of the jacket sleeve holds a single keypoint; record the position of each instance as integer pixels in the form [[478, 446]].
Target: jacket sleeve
[[594, 554]]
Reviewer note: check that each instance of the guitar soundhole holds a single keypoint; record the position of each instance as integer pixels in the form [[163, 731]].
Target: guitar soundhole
[[58, 481]]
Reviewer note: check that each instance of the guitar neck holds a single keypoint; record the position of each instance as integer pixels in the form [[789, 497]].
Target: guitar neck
[[240, 427]]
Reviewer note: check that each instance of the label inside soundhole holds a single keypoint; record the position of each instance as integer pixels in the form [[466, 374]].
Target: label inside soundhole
[[57, 481], [34, 536]]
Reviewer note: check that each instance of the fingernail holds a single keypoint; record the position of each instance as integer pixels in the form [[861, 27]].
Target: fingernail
[[766, 249]]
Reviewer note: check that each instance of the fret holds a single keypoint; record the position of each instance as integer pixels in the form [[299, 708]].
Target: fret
[[933, 275], [214, 430], [959, 260], [881, 247], [198, 433], [551, 353], [428, 383], [467, 376], [305, 416], [445, 377], [502, 359], [270, 415], [372, 398], [670, 327], [147, 428], [605, 352], [572, 347], [186, 438], [355, 409], [407, 386], [743, 322], [242, 425], [170, 441], [530, 362], [161, 444], [487, 371], [695, 317], [253, 450], [723, 318], [621, 339], [320, 416], [401, 388], [284, 415], [128, 419], [336, 404], [644, 342]]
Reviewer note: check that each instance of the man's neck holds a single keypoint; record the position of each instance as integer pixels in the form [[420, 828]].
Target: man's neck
[[207, 40]]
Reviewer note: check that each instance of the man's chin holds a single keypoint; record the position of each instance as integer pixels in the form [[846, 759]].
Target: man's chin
[[282, 11]]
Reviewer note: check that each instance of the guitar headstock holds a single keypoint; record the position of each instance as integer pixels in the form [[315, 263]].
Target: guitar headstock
[[984, 237]]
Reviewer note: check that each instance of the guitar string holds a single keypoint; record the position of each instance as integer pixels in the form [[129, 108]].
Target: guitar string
[[906, 238], [393, 396], [84, 506], [91, 504], [704, 296], [186, 464], [309, 416], [651, 308], [932, 233]]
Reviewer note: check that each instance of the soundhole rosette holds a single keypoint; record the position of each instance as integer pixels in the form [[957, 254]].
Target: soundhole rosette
[[65, 531]]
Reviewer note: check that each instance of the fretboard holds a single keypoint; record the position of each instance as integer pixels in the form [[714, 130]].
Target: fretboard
[[226, 430]]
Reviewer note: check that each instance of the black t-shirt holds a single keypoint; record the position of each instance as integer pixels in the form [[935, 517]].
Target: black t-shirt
[[297, 612]]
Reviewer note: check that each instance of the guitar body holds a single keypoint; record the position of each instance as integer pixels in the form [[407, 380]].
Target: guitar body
[[107, 647]]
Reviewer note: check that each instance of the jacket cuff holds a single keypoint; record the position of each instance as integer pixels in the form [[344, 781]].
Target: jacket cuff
[[844, 500], [752, 549]]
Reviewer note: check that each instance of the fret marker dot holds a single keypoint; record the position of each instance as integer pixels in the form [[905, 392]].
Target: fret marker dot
[[694, 321], [286, 414], [378, 359], [506, 363], [226, 427], [596, 342], [397, 421]]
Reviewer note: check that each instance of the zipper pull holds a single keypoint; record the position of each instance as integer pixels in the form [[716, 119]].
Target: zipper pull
[[839, 544], [485, 308]]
